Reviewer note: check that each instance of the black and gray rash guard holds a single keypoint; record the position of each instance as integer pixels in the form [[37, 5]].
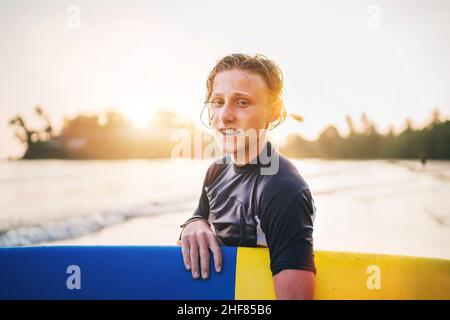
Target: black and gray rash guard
[[248, 208]]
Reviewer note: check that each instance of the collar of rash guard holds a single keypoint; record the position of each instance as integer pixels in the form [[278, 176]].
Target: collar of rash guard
[[260, 161]]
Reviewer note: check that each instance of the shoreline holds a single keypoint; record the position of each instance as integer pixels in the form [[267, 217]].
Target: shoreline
[[162, 229]]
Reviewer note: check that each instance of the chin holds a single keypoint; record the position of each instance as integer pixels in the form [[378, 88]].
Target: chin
[[230, 145]]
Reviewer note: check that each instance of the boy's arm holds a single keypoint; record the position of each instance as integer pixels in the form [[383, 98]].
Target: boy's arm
[[288, 225], [291, 284]]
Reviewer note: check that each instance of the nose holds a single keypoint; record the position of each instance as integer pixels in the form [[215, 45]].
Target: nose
[[227, 114]]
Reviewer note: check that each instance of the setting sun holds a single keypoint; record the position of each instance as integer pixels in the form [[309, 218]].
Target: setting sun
[[139, 117]]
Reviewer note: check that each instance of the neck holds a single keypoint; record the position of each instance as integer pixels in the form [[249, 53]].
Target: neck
[[250, 153]]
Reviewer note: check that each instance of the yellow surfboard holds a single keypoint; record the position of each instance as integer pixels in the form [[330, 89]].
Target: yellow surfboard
[[343, 275]]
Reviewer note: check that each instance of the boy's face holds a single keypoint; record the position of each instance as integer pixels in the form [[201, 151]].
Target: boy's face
[[239, 106]]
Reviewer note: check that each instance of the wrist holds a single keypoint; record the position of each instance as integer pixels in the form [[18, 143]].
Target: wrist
[[192, 219]]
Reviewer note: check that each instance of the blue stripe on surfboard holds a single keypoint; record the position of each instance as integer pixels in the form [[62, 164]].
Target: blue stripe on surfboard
[[110, 272]]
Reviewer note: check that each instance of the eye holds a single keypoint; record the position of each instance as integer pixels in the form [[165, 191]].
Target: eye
[[242, 103], [216, 103]]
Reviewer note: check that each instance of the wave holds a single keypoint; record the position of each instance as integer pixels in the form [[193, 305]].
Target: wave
[[76, 226]]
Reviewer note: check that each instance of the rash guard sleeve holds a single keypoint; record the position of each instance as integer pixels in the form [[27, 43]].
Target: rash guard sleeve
[[287, 222]]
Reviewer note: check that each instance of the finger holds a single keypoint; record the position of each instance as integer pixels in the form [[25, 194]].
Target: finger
[[204, 257], [186, 253], [217, 253], [194, 259]]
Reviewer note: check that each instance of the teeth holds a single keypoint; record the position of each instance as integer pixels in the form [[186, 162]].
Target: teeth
[[230, 132]]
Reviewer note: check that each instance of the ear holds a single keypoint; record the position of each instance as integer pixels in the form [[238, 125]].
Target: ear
[[274, 113]]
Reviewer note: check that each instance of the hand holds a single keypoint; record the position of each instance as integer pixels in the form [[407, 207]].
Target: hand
[[197, 239]]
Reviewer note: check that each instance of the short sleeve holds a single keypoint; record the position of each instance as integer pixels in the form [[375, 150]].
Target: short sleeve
[[288, 225]]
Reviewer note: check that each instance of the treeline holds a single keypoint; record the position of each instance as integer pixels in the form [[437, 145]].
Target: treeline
[[103, 136], [110, 136], [430, 142]]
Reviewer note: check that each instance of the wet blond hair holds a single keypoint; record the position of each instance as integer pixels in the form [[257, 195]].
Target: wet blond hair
[[258, 64]]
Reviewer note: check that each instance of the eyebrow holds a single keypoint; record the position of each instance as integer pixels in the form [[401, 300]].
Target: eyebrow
[[237, 94]]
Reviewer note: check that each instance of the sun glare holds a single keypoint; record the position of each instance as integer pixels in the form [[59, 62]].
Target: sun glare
[[139, 117]]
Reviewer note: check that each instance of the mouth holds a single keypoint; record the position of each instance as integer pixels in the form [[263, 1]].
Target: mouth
[[230, 132]]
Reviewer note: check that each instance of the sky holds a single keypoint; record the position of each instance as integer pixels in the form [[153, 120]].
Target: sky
[[389, 59]]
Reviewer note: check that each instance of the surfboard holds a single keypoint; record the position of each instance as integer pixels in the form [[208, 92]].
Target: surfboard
[[157, 272]]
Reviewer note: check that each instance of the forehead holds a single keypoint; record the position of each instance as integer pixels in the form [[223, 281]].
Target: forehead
[[236, 80]]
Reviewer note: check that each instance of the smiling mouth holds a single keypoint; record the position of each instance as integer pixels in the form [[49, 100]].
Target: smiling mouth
[[230, 132]]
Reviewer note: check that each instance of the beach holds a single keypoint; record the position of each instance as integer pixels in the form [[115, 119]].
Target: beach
[[376, 206]]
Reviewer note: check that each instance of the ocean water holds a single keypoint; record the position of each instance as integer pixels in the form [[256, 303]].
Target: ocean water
[[47, 200], [368, 206]]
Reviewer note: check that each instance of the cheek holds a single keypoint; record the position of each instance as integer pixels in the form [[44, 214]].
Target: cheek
[[256, 119], [214, 119]]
